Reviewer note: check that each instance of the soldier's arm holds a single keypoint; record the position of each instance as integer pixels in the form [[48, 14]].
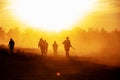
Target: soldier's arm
[[38, 45], [71, 46]]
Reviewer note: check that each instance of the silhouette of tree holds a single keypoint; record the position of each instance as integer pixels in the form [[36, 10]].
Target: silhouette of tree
[[2, 35], [103, 30]]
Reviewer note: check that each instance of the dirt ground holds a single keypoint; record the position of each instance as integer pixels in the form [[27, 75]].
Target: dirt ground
[[36, 67]]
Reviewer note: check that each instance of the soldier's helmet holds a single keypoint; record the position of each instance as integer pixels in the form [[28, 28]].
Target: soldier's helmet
[[67, 37]]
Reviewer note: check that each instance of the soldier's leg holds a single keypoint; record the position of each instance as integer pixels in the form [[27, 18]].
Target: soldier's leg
[[12, 50], [46, 52], [56, 51], [67, 52], [41, 51]]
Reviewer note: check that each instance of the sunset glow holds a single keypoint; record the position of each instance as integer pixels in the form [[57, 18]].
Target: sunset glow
[[51, 15]]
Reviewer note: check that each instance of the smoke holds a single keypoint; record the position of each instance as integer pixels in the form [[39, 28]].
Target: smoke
[[112, 3], [100, 45], [3, 3]]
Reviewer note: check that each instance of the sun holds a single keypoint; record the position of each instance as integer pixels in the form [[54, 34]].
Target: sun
[[51, 15]]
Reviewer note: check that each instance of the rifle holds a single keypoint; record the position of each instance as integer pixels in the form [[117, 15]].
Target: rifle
[[72, 47]]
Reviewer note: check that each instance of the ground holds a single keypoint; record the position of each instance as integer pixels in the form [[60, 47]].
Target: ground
[[21, 66]]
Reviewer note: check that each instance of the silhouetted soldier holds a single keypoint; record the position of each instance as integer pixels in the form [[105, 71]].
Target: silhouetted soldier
[[67, 46], [55, 47], [11, 45], [41, 46], [46, 47]]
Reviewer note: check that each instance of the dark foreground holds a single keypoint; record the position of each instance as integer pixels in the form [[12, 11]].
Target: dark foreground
[[34, 67]]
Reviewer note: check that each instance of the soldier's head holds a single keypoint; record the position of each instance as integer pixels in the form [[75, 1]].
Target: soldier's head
[[40, 38], [67, 37], [54, 41], [11, 39]]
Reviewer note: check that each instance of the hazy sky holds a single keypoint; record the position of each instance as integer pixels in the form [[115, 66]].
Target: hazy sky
[[109, 13]]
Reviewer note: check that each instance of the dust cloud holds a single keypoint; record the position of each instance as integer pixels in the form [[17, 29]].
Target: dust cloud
[[101, 46]]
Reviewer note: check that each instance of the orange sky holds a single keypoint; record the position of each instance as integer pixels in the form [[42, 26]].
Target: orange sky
[[106, 16]]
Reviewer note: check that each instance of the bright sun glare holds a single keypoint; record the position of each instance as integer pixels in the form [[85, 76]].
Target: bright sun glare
[[51, 15]]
